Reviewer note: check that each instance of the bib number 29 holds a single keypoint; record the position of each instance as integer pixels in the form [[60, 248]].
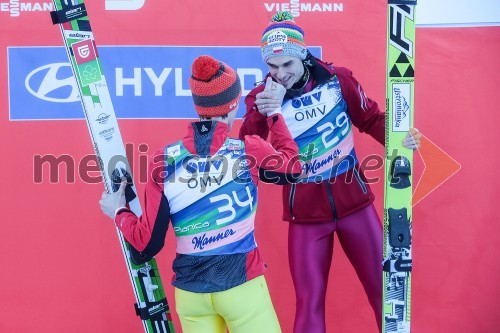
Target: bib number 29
[[327, 128]]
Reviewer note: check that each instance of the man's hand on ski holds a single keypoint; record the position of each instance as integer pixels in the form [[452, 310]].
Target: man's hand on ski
[[412, 139], [269, 101], [111, 202]]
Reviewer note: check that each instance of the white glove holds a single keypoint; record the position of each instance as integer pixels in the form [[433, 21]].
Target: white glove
[[111, 202], [412, 139]]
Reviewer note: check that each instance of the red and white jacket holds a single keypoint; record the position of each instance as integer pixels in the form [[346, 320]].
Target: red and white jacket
[[338, 197], [207, 273]]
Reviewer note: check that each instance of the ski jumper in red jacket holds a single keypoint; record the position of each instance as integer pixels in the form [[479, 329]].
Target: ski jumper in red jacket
[[205, 185], [332, 194]]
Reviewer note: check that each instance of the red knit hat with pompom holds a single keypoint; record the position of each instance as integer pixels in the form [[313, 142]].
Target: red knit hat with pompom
[[215, 87]]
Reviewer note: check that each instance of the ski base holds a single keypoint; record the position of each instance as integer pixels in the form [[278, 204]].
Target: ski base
[[71, 16], [397, 251]]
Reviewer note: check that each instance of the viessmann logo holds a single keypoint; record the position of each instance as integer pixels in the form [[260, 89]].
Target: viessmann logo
[[53, 83], [15, 7], [295, 7]]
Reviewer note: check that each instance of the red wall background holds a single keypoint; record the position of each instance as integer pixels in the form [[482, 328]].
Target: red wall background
[[61, 265]]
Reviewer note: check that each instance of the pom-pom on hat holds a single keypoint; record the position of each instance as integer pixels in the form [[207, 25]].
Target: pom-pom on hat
[[283, 37], [215, 87]]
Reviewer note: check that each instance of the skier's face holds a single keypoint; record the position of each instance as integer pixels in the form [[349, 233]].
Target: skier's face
[[230, 118], [286, 70]]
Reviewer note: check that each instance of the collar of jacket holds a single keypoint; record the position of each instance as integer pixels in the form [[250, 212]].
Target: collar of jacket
[[319, 71], [203, 143]]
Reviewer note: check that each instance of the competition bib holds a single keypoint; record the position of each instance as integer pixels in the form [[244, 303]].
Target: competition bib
[[322, 129], [212, 200]]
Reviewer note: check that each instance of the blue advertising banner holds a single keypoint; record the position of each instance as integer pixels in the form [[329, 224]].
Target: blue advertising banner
[[145, 82]]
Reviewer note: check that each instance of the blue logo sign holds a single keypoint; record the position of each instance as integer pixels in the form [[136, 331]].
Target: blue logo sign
[[144, 81]]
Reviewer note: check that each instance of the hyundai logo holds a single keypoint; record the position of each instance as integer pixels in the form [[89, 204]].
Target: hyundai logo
[[53, 83]]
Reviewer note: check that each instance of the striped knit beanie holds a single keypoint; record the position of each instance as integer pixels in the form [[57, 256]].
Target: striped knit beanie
[[215, 87], [283, 37]]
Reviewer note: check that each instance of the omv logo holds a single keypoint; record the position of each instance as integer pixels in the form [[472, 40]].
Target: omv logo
[[53, 83]]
